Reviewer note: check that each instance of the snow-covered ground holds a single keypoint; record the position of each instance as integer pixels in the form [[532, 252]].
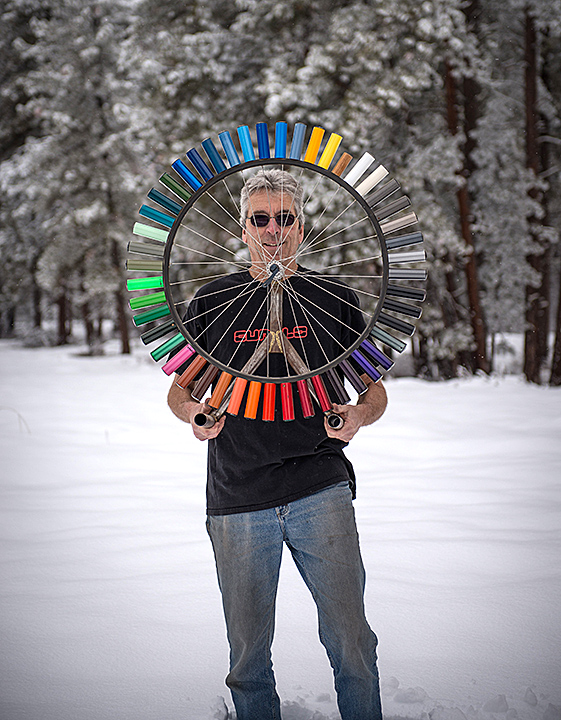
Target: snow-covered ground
[[109, 604]]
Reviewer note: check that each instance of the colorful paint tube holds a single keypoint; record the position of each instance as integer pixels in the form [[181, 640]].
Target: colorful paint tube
[[151, 315], [305, 399], [190, 373], [321, 394], [281, 133], [176, 188], [147, 300], [203, 383], [401, 307], [252, 400], [342, 164], [336, 389], [287, 402], [165, 349], [220, 389], [199, 164], [178, 359], [312, 151], [396, 324], [245, 143], [298, 135], [229, 148], [329, 151], [144, 265], [382, 193], [392, 342], [392, 208], [372, 180], [407, 274], [269, 395], [359, 169], [407, 257], [150, 232], [263, 149], [158, 332], [157, 216], [408, 293], [353, 377], [165, 202], [213, 155], [140, 248], [404, 241], [377, 355], [236, 397], [146, 283], [391, 226], [183, 171], [366, 365]]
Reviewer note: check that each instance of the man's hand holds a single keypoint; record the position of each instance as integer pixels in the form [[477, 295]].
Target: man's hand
[[369, 408], [185, 408], [202, 433]]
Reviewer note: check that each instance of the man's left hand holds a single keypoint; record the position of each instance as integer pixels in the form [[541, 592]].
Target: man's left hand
[[353, 417]]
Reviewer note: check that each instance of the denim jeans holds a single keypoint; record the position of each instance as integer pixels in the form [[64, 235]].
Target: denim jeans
[[320, 532]]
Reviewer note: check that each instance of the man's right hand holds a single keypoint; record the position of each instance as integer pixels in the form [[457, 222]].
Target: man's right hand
[[202, 433], [185, 408]]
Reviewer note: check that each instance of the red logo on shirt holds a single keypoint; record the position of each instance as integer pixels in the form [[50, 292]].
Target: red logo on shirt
[[300, 331]]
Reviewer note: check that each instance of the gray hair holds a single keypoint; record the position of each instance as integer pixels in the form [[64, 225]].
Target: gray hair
[[278, 182]]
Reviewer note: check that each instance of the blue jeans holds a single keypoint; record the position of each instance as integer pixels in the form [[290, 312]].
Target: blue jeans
[[320, 532]]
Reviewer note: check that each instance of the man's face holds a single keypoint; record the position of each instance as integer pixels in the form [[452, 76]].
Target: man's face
[[272, 241]]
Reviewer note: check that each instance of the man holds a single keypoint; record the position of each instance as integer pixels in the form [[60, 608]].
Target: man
[[276, 483]]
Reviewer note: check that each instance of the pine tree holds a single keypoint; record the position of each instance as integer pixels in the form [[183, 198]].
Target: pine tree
[[78, 176]]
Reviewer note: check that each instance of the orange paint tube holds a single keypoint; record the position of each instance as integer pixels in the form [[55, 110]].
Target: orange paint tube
[[237, 396], [313, 145], [219, 390], [252, 400]]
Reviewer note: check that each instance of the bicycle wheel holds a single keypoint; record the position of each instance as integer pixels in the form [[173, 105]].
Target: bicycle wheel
[[310, 313]]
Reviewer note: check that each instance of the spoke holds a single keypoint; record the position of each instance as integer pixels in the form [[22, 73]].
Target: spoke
[[296, 325], [316, 239], [353, 262], [215, 222], [330, 314], [211, 294], [206, 312], [333, 247], [338, 284], [250, 324], [198, 279], [201, 252], [205, 237], [327, 204], [307, 315]]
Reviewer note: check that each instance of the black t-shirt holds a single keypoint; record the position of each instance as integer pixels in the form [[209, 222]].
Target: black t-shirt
[[255, 464]]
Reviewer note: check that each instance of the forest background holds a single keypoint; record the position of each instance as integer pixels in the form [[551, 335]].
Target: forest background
[[460, 99]]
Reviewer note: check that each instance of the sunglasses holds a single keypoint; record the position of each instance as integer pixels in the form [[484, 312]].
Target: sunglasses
[[283, 219]]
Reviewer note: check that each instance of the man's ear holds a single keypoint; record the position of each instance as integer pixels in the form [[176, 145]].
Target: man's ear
[[244, 236]]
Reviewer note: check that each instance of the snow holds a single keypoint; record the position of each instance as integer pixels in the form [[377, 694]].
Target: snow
[[109, 601]]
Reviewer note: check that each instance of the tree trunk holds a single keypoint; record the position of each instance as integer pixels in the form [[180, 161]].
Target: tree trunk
[[479, 359], [120, 304], [63, 323], [537, 297], [555, 377]]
